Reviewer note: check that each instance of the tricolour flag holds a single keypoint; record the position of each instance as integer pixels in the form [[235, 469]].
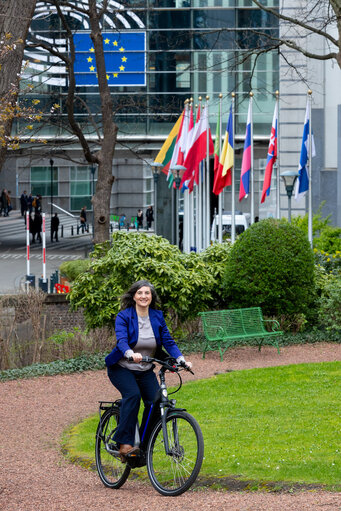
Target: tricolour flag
[[223, 174], [124, 55], [244, 186], [272, 155], [198, 149], [176, 151], [166, 152], [302, 182]]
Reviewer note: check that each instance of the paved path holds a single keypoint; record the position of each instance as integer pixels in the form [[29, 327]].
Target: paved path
[[34, 476]]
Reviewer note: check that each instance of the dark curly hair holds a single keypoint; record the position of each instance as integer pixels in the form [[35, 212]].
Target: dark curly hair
[[127, 300]]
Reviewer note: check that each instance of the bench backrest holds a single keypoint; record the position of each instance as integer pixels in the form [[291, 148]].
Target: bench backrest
[[232, 322]]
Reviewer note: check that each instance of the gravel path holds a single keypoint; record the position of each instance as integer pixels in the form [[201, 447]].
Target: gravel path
[[34, 476]]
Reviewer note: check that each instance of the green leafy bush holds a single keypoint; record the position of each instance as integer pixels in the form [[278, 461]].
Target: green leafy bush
[[271, 265], [71, 269], [326, 237], [330, 262], [186, 283], [329, 303], [329, 240]]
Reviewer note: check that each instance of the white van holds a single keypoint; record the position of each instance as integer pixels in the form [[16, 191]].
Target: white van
[[242, 222]]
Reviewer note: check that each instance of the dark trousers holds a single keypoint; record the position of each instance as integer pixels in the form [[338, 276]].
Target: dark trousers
[[133, 385]]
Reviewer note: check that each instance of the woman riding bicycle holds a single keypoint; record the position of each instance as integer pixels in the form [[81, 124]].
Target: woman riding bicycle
[[140, 331]]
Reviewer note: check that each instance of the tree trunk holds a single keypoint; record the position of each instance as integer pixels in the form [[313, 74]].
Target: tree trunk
[[15, 19], [101, 199]]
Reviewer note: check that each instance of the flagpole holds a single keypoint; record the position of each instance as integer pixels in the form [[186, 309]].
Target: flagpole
[[310, 195], [187, 217], [220, 198], [233, 184], [199, 201], [278, 163], [251, 172], [208, 202]]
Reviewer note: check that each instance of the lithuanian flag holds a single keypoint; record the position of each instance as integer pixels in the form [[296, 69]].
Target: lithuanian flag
[[166, 151]]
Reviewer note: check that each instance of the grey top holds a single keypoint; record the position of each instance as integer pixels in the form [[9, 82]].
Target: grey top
[[146, 345]]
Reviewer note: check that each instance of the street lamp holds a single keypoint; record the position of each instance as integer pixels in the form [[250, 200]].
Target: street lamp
[[289, 177], [156, 167], [177, 179], [51, 175], [93, 170]]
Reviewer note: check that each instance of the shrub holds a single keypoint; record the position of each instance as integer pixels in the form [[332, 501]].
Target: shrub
[[329, 240], [184, 282], [71, 269], [329, 303], [271, 265], [329, 262], [326, 237]]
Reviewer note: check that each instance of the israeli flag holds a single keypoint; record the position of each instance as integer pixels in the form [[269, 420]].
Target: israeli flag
[[302, 182]]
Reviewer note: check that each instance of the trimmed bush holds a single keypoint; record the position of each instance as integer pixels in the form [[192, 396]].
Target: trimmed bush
[[186, 283], [271, 265]]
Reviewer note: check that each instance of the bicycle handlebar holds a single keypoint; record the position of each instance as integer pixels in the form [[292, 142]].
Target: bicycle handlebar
[[169, 364]]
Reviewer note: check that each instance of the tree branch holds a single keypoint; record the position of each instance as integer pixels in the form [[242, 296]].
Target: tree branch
[[298, 22]]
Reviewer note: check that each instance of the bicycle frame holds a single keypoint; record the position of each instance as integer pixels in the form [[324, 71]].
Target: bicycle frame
[[161, 406]]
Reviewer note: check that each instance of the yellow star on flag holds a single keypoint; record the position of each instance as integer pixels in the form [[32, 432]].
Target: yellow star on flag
[[121, 49], [107, 77], [90, 59], [92, 50], [115, 75], [107, 41], [121, 68], [124, 59], [115, 43], [92, 68]]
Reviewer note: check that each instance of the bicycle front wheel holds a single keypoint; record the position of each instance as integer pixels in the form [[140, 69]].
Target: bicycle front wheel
[[172, 474], [112, 472]]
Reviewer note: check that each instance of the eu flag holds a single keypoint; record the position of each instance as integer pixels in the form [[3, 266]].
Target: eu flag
[[125, 59]]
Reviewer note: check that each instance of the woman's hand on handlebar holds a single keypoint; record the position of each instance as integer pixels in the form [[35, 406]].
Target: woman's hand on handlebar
[[137, 357]]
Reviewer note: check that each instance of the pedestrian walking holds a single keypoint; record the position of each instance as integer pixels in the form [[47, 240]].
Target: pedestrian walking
[[149, 216], [82, 217], [5, 199], [23, 203], [139, 218], [54, 227], [36, 224], [29, 203]]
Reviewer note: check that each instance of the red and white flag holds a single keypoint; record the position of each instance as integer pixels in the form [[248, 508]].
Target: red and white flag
[[198, 150]]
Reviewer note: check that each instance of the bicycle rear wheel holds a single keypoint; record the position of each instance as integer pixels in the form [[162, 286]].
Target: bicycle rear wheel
[[112, 472], [173, 474]]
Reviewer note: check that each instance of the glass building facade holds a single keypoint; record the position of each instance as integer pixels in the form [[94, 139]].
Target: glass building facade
[[192, 48]]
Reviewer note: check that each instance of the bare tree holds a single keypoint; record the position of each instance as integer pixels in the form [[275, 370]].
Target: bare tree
[[107, 135], [15, 19], [319, 17]]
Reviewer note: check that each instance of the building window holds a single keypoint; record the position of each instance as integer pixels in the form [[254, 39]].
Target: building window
[[41, 180], [81, 183], [148, 187]]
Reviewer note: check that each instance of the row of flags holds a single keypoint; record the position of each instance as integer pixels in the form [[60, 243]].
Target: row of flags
[[190, 142]]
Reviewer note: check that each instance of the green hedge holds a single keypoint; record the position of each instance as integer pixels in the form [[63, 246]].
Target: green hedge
[[271, 265]]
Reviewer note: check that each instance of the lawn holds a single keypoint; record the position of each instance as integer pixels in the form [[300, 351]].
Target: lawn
[[275, 424]]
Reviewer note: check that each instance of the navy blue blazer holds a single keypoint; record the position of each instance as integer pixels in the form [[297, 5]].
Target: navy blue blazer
[[127, 333]]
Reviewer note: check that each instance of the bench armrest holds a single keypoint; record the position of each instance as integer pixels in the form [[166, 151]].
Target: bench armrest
[[275, 324]]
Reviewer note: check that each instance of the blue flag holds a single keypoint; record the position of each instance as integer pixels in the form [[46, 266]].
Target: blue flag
[[302, 183], [124, 54]]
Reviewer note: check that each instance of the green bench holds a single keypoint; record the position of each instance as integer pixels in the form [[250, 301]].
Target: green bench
[[226, 327]]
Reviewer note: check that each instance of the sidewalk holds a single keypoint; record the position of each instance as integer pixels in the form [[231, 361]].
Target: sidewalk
[[13, 259]]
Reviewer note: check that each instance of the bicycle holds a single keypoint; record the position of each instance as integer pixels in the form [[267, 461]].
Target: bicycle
[[171, 444]]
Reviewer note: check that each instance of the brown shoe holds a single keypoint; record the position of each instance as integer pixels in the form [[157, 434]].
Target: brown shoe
[[126, 449]]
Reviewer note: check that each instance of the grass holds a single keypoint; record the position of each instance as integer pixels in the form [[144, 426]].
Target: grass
[[275, 424]]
